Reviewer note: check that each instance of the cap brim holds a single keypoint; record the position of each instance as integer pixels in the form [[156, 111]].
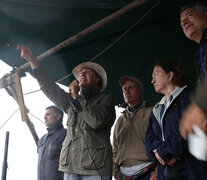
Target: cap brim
[[123, 79]]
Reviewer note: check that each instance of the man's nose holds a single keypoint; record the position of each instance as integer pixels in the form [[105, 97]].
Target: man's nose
[[185, 22], [82, 73], [126, 91]]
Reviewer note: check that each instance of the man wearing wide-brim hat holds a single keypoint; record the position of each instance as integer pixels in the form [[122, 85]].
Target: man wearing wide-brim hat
[[86, 151]]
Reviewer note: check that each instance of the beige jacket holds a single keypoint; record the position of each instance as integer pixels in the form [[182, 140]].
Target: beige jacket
[[129, 138]]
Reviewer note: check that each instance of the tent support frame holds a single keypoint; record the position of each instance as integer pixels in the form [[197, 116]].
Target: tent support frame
[[16, 93], [81, 34], [14, 89]]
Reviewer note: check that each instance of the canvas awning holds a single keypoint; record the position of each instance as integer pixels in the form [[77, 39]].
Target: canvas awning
[[42, 25]]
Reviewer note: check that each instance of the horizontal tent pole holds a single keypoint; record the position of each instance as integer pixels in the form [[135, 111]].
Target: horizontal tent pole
[[81, 34], [91, 28]]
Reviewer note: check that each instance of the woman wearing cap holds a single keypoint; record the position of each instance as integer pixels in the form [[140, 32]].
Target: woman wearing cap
[[164, 144]]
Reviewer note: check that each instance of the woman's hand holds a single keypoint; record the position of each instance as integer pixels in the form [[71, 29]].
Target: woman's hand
[[159, 158]]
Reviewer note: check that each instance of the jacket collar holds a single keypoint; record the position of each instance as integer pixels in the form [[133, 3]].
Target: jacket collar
[[132, 110], [203, 41], [90, 91], [137, 107], [204, 36], [54, 127], [157, 108]]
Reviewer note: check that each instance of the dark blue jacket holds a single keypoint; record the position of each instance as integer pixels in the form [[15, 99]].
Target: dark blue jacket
[[166, 137], [49, 147], [173, 144]]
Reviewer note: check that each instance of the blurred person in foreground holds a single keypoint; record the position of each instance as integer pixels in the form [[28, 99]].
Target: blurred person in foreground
[[193, 20]]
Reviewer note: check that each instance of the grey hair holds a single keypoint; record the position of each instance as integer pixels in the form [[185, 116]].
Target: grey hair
[[197, 6], [139, 85]]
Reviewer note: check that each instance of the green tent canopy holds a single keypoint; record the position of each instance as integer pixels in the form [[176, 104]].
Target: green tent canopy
[[42, 24]]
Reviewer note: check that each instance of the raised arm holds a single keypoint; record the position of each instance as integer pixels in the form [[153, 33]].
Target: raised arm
[[27, 54], [57, 95]]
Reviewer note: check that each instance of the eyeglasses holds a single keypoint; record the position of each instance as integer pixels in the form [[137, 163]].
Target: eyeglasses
[[156, 75]]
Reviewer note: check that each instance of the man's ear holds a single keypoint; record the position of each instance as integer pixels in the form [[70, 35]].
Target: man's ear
[[58, 116], [141, 92], [171, 73], [98, 79]]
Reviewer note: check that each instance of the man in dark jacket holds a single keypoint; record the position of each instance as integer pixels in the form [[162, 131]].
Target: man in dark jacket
[[49, 146], [193, 21]]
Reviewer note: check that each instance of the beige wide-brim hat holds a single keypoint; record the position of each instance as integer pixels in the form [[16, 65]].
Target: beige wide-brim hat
[[96, 67]]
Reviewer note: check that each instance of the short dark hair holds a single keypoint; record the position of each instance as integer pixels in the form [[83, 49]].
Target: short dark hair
[[181, 76], [196, 5], [56, 111]]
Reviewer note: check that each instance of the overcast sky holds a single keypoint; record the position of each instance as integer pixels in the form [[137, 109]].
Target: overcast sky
[[22, 155]]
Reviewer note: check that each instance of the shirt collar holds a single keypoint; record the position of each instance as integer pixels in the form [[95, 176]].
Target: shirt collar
[[203, 36], [173, 95], [132, 110], [158, 107], [56, 126]]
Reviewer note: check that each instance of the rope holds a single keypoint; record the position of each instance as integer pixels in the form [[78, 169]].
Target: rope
[[112, 44], [119, 38], [14, 114], [126, 32], [36, 118], [9, 118], [32, 92]]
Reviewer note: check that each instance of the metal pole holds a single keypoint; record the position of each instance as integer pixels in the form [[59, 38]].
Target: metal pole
[[4, 168]]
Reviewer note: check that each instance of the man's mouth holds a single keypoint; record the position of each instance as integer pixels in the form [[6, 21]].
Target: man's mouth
[[83, 79], [188, 26], [127, 97]]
